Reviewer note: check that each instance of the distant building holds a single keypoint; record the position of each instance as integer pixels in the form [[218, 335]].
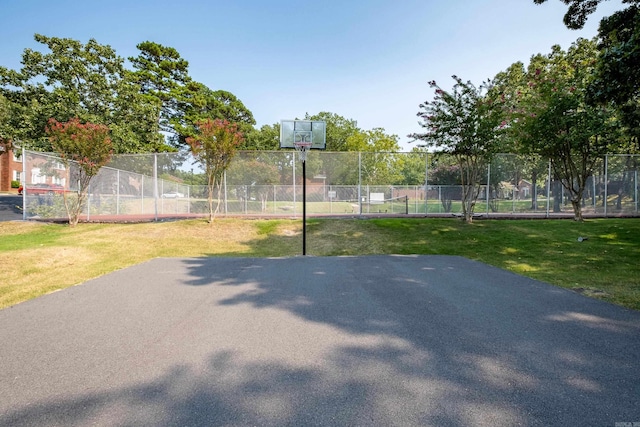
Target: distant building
[[42, 169], [10, 168]]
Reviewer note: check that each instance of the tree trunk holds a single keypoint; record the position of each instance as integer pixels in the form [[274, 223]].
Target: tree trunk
[[577, 209]]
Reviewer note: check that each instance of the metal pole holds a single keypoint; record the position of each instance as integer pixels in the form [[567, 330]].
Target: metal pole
[[426, 184], [635, 194], [23, 178], [488, 185], [304, 207], [224, 178], [295, 208], [360, 182], [548, 187], [155, 184], [118, 192], [606, 182]]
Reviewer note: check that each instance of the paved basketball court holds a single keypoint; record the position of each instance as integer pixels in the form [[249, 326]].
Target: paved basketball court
[[370, 341]]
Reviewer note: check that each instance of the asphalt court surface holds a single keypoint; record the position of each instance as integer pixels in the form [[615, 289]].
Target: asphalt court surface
[[358, 341]]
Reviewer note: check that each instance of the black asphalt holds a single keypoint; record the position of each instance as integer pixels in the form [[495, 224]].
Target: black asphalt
[[308, 341], [10, 207]]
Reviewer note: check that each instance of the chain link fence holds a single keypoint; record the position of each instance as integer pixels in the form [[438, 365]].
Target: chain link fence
[[270, 183]]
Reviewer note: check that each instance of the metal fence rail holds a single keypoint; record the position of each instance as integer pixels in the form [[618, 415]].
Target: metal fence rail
[[269, 183]]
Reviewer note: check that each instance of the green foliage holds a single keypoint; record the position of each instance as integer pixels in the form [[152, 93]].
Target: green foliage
[[339, 129], [214, 146], [578, 11], [266, 138], [15, 184], [465, 123], [84, 149], [551, 117]]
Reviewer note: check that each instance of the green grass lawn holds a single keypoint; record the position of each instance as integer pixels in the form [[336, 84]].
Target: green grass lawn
[[42, 258]]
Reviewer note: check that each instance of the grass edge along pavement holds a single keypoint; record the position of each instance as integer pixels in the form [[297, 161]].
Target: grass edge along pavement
[[43, 258]]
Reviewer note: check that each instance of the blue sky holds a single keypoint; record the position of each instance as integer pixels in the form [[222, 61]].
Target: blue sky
[[365, 60]]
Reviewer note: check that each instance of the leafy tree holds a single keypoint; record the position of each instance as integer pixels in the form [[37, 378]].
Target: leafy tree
[[265, 138], [87, 81], [617, 77], [464, 123], [379, 163], [214, 147], [84, 149], [338, 130], [413, 167], [252, 172], [579, 11], [447, 175], [554, 118], [197, 102], [162, 75], [6, 133]]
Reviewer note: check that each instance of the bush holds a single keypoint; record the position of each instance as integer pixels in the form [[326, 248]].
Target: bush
[[15, 184]]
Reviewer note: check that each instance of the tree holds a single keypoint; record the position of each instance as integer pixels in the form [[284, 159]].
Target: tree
[[84, 149], [258, 176], [214, 147], [197, 102], [379, 162], [553, 117], [339, 129], [6, 133], [265, 138], [86, 81], [464, 123], [617, 73], [413, 167], [579, 11], [162, 75]]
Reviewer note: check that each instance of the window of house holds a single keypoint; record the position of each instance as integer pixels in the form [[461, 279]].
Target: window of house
[[36, 178]]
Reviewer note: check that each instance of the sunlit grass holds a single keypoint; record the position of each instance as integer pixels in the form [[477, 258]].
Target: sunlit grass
[[43, 257]]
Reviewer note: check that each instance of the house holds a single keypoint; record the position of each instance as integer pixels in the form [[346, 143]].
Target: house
[[41, 169], [10, 168]]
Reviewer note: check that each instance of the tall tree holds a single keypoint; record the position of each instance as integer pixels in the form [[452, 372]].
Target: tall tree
[[214, 147], [72, 79], [338, 129], [464, 123], [197, 103], [379, 162], [84, 149], [163, 75], [554, 118]]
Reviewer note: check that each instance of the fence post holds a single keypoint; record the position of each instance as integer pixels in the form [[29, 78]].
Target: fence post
[[606, 183], [155, 184], [23, 179], [548, 187], [635, 188], [488, 186], [426, 184], [117, 191], [295, 208], [224, 181], [360, 182]]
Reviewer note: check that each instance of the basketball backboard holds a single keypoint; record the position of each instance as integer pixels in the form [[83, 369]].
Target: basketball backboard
[[313, 131]]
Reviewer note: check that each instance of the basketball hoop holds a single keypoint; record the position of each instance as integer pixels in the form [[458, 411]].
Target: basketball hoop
[[302, 148]]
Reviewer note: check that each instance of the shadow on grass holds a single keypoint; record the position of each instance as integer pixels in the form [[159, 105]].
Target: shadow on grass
[[377, 340]]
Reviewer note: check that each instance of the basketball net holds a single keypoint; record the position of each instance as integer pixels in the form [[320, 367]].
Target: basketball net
[[302, 148]]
